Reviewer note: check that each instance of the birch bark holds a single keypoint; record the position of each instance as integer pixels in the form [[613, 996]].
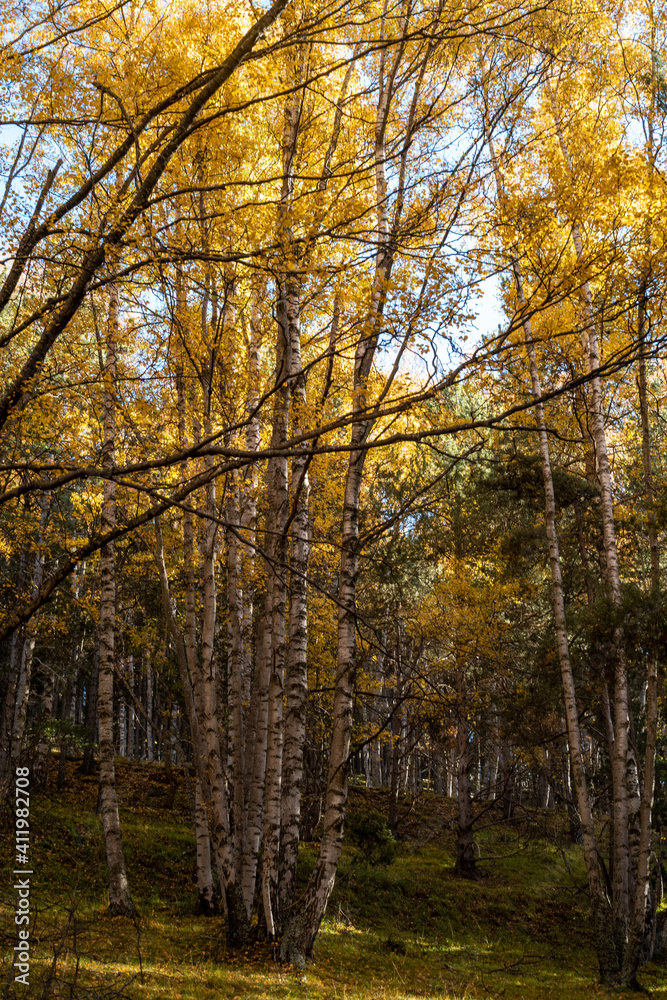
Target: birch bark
[[255, 681], [15, 651], [235, 672], [150, 739], [207, 753], [379, 703], [229, 854], [203, 843], [131, 713], [288, 338], [206, 791], [191, 667], [27, 647], [297, 654], [120, 899], [465, 852], [298, 939], [275, 633], [636, 949]]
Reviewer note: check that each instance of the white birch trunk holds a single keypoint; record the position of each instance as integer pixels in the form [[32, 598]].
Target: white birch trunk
[[255, 797], [122, 729], [131, 710], [27, 647], [206, 746], [465, 852], [297, 942], [287, 334], [277, 596], [606, 956], [204, 873], [120, 900], [15, 650], [380, 706], [235, 672], [255, 685], [249, 483], [150, 737], [636, 949], [297, 654]]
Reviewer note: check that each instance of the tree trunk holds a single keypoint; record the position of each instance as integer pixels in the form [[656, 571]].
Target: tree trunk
[[279, 803], [150, 735], [297, 653], [397, 747], [235, 675], [88, 764], [641, 909], [205, 740], [299, 937], [40, 770], [622, 860], [204, 874], [15, 651], [255, 793], [277, 596], [465, 851], [377, 712], [7, 719], [25, 649], [237, 920], [255, 681], [131, 712], [607, 956], [120, 900]]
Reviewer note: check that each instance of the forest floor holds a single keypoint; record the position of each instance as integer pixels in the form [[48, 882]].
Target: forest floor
[[406, 930]]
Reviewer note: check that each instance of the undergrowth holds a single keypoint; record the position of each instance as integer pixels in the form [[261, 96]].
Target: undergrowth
[[396, 930]]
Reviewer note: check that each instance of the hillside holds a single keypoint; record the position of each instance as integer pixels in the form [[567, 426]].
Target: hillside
[[408, 929]]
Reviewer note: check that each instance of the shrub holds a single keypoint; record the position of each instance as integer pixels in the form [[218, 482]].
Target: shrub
[[370, 833]]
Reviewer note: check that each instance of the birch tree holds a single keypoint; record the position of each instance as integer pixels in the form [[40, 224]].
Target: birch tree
[[120, 899]]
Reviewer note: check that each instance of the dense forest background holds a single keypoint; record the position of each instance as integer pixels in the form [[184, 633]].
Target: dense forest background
[[275, 512]]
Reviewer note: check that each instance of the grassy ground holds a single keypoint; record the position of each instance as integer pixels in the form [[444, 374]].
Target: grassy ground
[[406, 930]]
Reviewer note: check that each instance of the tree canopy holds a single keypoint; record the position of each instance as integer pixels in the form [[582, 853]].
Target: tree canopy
[[278, 503]]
